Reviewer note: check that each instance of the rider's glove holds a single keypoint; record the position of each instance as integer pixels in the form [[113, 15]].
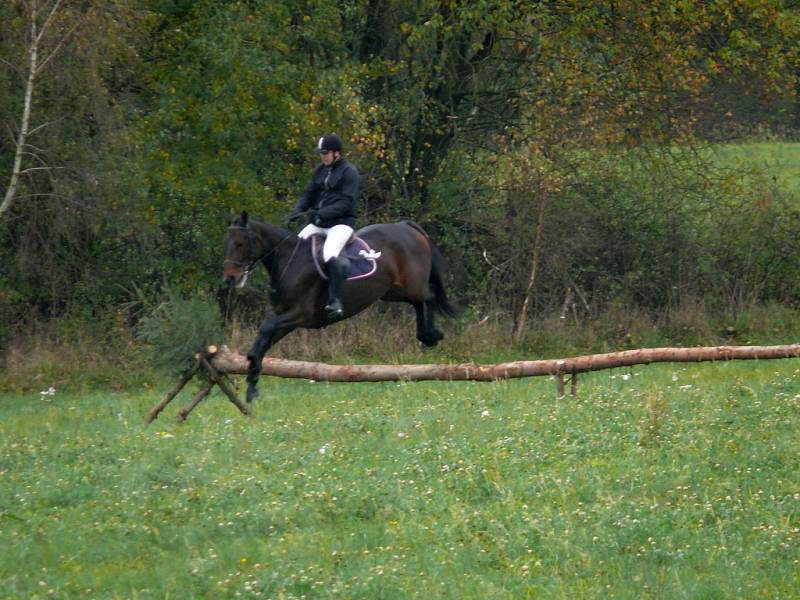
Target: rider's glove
[[294, 216]]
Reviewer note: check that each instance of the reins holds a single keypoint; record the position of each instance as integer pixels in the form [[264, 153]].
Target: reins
[[291, 257], [254, 262], [252, 265]]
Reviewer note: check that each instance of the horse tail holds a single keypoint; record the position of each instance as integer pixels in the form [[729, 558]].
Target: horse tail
[[437, 283], [436, 279]]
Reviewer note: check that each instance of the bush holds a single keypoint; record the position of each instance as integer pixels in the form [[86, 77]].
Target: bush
[[178, 328], [649, 228]]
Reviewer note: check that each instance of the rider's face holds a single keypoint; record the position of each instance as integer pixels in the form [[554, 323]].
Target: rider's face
[[327, 158]]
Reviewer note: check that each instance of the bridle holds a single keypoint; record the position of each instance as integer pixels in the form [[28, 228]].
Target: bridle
[[250, 244], [249, 237], [248, 267]]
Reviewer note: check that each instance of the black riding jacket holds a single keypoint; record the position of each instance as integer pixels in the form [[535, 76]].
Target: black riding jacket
[[331, 197]]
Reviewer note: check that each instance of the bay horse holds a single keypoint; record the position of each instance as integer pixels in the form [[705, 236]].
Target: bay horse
[[409, 269]]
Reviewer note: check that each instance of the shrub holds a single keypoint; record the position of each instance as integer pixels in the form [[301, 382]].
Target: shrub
[[178, 328]]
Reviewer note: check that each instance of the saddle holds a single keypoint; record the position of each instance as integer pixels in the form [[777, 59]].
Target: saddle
[[363, 259]]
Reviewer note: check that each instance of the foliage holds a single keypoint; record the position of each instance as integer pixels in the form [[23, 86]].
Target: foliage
[[644, 227], [473, 118], [239, 91], [178, 328], [72, 228], [670, 481]]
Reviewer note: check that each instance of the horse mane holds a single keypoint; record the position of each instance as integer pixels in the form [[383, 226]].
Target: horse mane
[[244, 219]]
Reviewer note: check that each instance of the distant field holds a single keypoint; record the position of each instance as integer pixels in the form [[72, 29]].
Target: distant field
[[778, 160], [666, 481]]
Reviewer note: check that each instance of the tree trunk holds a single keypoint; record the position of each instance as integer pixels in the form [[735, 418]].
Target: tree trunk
[[26, 115], [537, 245], [226, 361]]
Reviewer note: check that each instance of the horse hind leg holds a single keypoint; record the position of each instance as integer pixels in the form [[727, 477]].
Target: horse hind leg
[[426, 330]]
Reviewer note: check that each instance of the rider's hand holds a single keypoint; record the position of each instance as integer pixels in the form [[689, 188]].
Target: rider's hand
[[294, 216]]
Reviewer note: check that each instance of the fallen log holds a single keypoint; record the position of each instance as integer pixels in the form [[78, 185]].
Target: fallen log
[[230, 362], [223, 361]]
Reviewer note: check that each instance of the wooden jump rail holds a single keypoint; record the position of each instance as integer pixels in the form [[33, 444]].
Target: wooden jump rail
[[222, 362]]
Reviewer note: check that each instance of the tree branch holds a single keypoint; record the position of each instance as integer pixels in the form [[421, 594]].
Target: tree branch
[[29, 169], [38, 127], [12, 67], [60, 45], [33, 150], [35, 156], [41, 194], [48, 21]]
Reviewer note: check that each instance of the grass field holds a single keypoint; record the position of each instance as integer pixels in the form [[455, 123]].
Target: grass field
[[778, 162], [666, 481]]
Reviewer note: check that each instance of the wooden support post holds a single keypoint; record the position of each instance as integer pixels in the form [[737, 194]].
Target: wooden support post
[[204, 391], [560, 385], [151, 416], [216, 378], [223, 384]]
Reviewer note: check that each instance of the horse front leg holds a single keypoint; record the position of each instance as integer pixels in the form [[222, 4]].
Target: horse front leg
[[426, 330], [270, 332]]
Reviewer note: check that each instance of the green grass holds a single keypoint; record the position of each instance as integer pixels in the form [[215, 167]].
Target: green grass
[[776, 162], [666, 481]]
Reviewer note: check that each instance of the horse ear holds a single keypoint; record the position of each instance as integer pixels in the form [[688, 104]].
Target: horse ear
[[244, 218]]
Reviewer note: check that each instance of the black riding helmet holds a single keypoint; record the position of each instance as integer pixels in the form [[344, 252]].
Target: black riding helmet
[[328, 143]]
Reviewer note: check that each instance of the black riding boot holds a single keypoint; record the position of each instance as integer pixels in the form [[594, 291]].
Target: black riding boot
[[336, 269]]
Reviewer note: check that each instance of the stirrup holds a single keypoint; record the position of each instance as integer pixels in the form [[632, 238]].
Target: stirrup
[[334, 309]]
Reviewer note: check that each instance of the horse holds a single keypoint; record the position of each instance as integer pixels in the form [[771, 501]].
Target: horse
[[409, 269]]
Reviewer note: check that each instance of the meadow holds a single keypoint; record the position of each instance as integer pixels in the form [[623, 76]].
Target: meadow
[[777, 161], [666, 481]]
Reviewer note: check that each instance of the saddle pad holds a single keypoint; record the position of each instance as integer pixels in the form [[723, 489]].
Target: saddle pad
[[361, 266]]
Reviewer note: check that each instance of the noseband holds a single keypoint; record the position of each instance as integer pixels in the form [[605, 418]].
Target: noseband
[[250, 250]]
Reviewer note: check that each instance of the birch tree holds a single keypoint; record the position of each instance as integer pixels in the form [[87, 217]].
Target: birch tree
[[49, 29]]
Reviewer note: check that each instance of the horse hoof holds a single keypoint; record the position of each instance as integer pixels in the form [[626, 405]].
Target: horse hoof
[[431, 338], [252, 393]]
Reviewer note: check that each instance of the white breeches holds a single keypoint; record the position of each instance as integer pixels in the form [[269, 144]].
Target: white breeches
[[335, 238]]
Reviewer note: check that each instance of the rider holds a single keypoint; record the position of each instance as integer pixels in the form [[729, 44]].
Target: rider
[[330, 198]]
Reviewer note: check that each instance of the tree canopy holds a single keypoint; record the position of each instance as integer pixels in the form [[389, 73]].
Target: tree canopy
[[578, 128]]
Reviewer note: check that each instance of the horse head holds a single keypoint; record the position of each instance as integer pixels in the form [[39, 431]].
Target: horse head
[[243, 250]]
